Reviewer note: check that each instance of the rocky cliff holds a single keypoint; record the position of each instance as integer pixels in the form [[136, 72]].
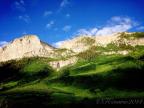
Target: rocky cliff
[[31, 46], [27, 46], [82, 43]]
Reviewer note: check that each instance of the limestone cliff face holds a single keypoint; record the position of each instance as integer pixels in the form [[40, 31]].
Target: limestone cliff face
[[31, 46], [83, 43], [61, 63], [27, 46], [78, 44]]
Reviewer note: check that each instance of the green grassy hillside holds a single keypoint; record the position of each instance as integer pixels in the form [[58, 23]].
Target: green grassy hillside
[[32, 82]]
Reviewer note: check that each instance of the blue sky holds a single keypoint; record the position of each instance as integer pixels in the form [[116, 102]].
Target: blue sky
[[57, 20]]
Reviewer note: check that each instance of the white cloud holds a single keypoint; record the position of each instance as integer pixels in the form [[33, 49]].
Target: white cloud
[[25, 18], [89, 32], [114, 25], [83, 32], [20, 5], [116, 18], [47, 13], [3, 43], [64, 3], [50, 24], [67, 28], [140, 28], [24, 33], [113, 29], [58, 44]]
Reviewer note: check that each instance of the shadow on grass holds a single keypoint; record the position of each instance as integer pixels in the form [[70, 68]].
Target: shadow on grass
[[37, 100], [26, 100], [12, 71], [130, 78]]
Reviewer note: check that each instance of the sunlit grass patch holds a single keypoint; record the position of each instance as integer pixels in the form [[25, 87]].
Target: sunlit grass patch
[[99, 69], [38, 87], [78, 92], [9, 84]]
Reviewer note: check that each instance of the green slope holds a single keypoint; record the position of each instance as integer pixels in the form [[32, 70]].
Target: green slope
[[30, 81]]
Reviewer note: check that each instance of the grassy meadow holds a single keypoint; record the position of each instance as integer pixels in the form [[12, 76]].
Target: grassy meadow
[[32, 82]]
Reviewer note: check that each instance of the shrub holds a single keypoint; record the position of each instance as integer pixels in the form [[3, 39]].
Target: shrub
[[87, 40], [89, 55], [132, 36], [138, 52]]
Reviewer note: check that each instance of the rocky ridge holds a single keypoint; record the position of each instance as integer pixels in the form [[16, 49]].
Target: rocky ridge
[[32, 46], [82, 43]]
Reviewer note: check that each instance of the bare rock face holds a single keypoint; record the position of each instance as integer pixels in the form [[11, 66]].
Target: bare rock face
[[82, 43], [104, 40], [61, 63], [78, 44], [31, 46], [27, 46]]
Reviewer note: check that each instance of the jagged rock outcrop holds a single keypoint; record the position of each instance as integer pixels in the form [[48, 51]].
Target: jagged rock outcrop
[[61, 63], [27, 46]]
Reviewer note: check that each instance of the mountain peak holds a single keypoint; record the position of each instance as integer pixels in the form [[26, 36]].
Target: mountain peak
[[31, 45], [26, 38], [25, 46], [30, 36]]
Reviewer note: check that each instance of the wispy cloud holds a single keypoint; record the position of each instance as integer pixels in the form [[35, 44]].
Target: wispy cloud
[[64, 3], [58, 44], [114, 25], [89, 32], [47, 13], [50, 24], [3, 43], [66, 28], [19, 5], [24, 33], [25, 18]]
